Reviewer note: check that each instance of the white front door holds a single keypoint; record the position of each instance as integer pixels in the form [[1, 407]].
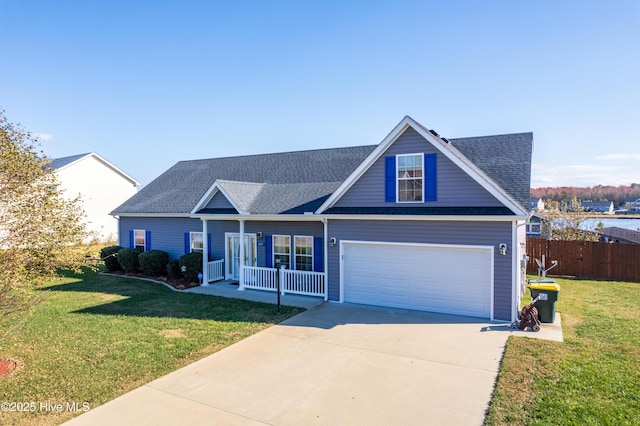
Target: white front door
[[232, 249]]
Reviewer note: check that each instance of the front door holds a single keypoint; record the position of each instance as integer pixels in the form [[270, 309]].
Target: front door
[[233, 254]]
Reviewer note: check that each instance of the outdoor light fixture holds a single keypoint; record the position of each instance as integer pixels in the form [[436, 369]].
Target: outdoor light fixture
[[332, 242], [503, 249], [184, 268], [259, 234]]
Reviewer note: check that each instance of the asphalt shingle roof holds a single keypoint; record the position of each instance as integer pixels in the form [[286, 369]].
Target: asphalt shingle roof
[[295, 182], [58, 163]]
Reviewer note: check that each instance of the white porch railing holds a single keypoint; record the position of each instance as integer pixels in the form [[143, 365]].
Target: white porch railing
[[260, 278], [215, 270], [302, 282], [295, 282]]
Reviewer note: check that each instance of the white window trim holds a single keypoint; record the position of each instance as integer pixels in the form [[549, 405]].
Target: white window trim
[[295, 255], [421, 155], [191, 241], [144, 239], [273, 249], [530, 225]]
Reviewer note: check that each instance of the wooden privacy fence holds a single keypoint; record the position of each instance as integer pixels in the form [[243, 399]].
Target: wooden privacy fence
[[585, 259]]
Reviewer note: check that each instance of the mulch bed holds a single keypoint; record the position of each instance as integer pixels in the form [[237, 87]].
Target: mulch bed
[[6, 367], [177, 283]]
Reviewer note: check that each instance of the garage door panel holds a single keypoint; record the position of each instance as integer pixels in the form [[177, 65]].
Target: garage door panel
[[449, 279]]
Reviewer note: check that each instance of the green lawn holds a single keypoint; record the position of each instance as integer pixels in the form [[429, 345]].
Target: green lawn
[[593, 378], [95, 337]]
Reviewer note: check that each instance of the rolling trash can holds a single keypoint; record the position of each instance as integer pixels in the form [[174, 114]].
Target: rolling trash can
[[547, 293]]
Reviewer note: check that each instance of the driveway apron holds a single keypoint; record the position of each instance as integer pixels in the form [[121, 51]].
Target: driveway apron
[[332, 364]]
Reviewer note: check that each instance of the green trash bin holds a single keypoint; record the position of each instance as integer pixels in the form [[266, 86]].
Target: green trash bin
[[547, 293]]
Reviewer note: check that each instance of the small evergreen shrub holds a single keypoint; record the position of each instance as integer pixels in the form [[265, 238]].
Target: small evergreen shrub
[[173, 269], [193, 262], [128, 259], [110, 261], [153, 262]]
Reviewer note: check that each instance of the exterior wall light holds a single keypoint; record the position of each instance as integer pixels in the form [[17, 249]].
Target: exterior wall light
[[503, 249]]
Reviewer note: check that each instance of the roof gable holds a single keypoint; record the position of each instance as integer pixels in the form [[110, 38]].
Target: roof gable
[[453, 152], [63, 163]]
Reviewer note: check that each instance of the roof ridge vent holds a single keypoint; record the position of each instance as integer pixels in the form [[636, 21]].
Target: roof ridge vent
[[434, 133]]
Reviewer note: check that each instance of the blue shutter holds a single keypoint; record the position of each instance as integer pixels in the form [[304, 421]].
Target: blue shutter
[[390, 179], [430, 174], [131, 239], [209, 246], [318, 248], [147, 240], [268, 249], [187, 243]]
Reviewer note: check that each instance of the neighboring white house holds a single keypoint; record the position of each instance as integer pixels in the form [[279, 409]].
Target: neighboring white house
[[101, 186]]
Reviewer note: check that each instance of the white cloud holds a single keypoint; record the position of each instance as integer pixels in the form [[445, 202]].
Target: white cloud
[[44, 137], [623, 157], [582, 175]]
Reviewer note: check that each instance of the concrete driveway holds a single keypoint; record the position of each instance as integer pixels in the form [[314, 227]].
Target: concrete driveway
[[333, 364]]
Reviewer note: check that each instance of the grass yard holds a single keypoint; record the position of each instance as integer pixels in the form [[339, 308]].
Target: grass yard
[[593, 378], [95, 337]]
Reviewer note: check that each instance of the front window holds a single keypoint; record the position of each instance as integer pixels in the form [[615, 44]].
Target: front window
[[410, 188], [197, 243], [282, 251], [304, 253], [139, 239]]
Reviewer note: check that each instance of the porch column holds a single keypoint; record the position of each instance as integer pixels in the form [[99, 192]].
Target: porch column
[[205, 255], [242, 255]]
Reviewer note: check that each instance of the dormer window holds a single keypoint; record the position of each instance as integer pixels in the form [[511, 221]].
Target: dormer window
[[410, 178]]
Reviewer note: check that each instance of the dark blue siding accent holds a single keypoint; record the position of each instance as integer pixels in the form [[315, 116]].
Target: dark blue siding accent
[[268, 249], [390, 179], [147, 240], [131, 239], [430, 177], [187, 243], [318, 264], [432, 232], [209, 245]]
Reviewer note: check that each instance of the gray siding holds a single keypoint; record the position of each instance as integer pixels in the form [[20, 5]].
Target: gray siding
[[455, 188], [166, 233], [219, 201], [467, 233]]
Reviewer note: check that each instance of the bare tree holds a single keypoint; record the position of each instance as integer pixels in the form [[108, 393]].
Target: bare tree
[[39, 230], [567, 222]]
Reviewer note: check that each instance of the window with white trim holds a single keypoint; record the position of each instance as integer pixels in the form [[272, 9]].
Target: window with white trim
[[304, 253], [534, 228], [139, 239], [197, 242], [410, 178], [282, 251]]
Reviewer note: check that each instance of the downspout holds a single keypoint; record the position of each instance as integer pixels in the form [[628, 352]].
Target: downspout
[[515, 308], [205, 255], [325, 258]]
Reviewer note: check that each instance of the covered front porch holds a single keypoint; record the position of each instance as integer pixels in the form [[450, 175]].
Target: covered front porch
[[247, 257]]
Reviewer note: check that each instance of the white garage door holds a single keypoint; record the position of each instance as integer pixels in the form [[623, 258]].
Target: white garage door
[[437, 278]]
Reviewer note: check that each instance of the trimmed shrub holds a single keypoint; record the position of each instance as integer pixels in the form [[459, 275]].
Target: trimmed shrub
[[153, 262], [193, 262], [173, 269], [128, 259], [110, 256]]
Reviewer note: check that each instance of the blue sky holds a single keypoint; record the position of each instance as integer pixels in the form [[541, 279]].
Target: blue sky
[[148, 83]]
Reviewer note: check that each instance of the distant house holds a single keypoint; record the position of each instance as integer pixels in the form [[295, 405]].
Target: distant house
[[632, 204], [614, 234], [534, 225], [597, 206], [536, 204], [101, 186], [416, 221]]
